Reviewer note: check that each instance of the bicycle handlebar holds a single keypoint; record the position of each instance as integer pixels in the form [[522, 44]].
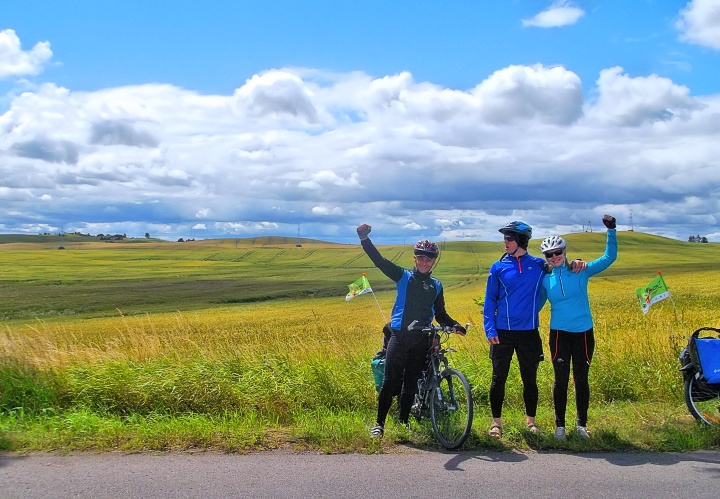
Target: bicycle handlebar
[[432, 328]]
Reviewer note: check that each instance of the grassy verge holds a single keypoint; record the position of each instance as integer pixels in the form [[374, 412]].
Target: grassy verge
[[212, 381]]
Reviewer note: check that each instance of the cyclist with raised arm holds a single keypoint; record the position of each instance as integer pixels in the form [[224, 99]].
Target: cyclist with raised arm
[[419, 298], [572, 341]]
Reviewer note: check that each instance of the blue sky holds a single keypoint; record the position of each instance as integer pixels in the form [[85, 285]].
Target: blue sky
[[439, 120]]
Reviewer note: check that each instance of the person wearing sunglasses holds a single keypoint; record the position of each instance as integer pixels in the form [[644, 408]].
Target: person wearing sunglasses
[[571, 324], [511, 321], [419, 298]]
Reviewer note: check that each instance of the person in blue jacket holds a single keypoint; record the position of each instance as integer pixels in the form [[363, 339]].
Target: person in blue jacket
[[572, 341], [511, 320], [420, 298]]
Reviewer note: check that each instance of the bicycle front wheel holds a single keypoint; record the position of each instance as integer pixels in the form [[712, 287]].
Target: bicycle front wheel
[[703, 400], [451, 409]]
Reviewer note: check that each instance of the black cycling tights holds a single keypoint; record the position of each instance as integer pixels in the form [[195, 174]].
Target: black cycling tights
[[405, 360], [576, 349], [528, 346]]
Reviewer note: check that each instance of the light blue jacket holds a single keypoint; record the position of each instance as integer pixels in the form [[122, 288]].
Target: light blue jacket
[[567, 291]]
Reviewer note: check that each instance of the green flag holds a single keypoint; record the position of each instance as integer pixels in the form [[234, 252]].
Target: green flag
[[359, 287], [652, 293]]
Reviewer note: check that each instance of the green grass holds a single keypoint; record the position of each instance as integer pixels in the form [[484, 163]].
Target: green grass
[[240, 345]]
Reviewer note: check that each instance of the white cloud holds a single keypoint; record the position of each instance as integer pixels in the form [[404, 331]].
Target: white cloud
[[15, 62], [326, 151], [275, 93], [627, 101], [520, 93], [699, 23], [327, 210], [560, 13]]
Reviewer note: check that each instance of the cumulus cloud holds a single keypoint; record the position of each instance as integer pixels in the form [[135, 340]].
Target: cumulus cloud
[[275, 93], [560, 13], [15, 62], [627, 101], [699, 23], [327, 151], [520, 93]]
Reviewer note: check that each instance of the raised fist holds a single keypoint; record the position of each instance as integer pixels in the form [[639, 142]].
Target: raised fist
[[363, 231], [609, 221]]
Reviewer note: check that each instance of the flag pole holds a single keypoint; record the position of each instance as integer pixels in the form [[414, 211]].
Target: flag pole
[[378, 304], [677, 316]]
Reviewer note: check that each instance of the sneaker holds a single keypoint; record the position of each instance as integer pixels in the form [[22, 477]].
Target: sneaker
[[560, 433], [377, 431], [582, 432]]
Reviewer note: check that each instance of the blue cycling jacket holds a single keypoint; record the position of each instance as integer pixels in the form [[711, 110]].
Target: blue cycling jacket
[[419, 297], [567, 291], [512, 294]]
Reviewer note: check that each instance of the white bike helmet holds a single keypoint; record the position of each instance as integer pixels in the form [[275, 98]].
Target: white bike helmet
[[552, 243]]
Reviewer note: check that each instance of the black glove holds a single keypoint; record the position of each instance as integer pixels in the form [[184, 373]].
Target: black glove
[[363, 231], [609, 221]]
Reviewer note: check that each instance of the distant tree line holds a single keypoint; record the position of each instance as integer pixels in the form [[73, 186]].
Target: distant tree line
[[697, 239], [111, 237], [102, 237]]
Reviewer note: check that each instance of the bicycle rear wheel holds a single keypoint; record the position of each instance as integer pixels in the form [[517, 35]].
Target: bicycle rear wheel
[[451, 409], [703, 400]]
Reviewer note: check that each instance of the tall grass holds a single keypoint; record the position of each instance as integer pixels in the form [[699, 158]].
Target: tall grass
[[296, 371]]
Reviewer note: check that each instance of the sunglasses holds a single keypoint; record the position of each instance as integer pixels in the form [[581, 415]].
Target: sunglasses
[[423, 258], [551, 254], [510, 239]]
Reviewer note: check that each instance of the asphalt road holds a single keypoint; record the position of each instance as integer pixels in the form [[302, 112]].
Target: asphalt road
[[416, 474]]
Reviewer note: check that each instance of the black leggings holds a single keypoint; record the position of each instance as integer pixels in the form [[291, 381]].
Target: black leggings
[[406, 358], [528, 346], [575, 348]]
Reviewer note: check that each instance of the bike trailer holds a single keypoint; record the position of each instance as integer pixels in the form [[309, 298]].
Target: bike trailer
[[705, 352]]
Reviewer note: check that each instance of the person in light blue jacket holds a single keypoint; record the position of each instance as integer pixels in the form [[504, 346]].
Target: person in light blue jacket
[[572, 341]]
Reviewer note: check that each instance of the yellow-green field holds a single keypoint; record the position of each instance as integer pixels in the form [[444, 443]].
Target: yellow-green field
[[249, 344]]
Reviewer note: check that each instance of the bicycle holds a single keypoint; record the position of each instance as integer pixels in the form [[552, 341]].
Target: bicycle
[[701, 380], [443, 392]]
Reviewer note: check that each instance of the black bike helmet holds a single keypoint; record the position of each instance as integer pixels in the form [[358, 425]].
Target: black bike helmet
[[426, 248], [521, 230]]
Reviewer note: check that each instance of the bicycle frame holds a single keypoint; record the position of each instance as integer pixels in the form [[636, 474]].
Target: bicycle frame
[[444, 393], [436, 363]]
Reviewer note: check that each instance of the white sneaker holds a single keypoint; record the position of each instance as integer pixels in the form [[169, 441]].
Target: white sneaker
[[377, 431], [582, 432], [560, 433]]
